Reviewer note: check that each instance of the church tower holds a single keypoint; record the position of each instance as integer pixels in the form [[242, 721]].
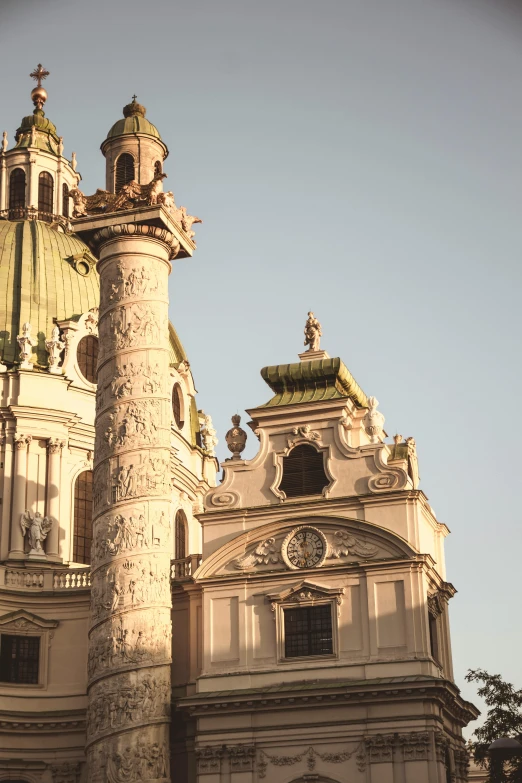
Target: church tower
[[65, 697], [323, 598]]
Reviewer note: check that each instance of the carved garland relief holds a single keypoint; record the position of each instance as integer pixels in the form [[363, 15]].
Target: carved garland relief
[[317, 548]]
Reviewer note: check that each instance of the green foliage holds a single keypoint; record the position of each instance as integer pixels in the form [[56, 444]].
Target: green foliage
[[504, 719]]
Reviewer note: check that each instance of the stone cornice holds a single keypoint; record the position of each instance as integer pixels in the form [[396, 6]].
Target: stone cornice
[[328, 693]]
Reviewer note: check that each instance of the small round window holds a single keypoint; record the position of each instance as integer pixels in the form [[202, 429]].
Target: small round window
[[87, 354], [177, 405]]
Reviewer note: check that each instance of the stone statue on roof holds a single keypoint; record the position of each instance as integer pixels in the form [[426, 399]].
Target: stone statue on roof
[[312, 333]]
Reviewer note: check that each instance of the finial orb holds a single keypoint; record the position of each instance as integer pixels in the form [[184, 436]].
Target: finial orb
[[38, 96]]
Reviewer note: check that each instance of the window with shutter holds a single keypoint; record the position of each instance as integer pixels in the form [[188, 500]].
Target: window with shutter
[[19, 658], [303, 472], [177, 406], [83, 518], [124, 171], [65, 200], [45, 197], [87, 355], [180, 535], [16, 194]]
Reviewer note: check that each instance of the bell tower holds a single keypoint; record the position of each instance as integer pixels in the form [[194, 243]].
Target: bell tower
[[133, 149]]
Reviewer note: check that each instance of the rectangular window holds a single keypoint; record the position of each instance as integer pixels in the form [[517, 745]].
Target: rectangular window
[[19, 659], [308, 631]]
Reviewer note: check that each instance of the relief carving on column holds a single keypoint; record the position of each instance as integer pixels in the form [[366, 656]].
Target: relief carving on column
[[149, 474], [117, 534], [130, 280], [129, 642], [132, 702], [132, 326], [415, 746], [129, 584], [140, 760], [132, 425]]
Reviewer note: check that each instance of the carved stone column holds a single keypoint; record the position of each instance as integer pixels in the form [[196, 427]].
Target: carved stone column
[[130, 634], [21, 442], [54, 449]]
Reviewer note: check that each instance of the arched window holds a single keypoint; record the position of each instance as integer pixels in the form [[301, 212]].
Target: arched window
[[87, 355], [83, 518], [16, 194], [124, 171], [65, 200], [45, 196], [157, 167], [177, 406], [180, 535], [303, 472]]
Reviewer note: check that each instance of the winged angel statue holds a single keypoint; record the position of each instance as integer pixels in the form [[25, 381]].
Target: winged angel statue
[[35, 527]]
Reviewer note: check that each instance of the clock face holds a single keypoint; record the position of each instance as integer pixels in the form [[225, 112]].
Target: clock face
[[305, 548]]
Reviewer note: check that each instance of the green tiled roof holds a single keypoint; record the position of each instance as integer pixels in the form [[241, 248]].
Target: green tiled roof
[[312, 381], [39, 284], [135, 124], [46, 139]]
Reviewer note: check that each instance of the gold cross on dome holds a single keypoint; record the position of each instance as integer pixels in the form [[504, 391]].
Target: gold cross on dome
[[134, 98], [39, 74]]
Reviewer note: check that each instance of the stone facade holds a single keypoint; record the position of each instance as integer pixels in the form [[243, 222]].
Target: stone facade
[[295, 615]]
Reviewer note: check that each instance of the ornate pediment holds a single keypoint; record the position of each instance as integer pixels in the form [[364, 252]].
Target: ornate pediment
[[305, 592], [22, 621]]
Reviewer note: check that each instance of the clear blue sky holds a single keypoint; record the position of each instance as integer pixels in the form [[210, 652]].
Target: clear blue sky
[[362, 158]]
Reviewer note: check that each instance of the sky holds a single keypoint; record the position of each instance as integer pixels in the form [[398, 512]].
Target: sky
[[360, 158]]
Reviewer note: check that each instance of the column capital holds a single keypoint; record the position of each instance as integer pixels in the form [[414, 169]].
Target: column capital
[[141, 230], [21, 441], [55, 445]]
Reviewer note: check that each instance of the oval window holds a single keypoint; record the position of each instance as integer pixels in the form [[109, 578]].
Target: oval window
[[177, 405], [87, 354]]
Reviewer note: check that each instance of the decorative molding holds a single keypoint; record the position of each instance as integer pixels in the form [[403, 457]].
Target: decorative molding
[[379, 748], [345, 544], [67, 772], [310, 756], [306, 593], [242, 757], [265, 553], [139, 230], [209, 759], [302, 434], [415, 746], [23, 622]]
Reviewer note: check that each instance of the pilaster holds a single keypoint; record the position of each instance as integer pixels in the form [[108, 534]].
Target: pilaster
[[54, 451]]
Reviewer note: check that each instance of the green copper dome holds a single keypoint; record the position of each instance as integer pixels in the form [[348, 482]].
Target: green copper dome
[[133, 122], [42, 278], [45, 135]]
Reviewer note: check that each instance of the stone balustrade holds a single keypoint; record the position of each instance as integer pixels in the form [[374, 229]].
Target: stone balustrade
[[35, 579], [184, 567]]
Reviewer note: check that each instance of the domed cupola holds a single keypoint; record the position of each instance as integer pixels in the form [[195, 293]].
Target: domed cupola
[[35, 177], [133, 149]]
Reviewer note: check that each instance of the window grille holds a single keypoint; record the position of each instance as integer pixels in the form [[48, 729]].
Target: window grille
[[124, 171], [180, 535], [19, 659], [303, 472], [83, 518], [45, 197], [87, 354], [308, 631], [65, 200], [16, 194], [177, 406]]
